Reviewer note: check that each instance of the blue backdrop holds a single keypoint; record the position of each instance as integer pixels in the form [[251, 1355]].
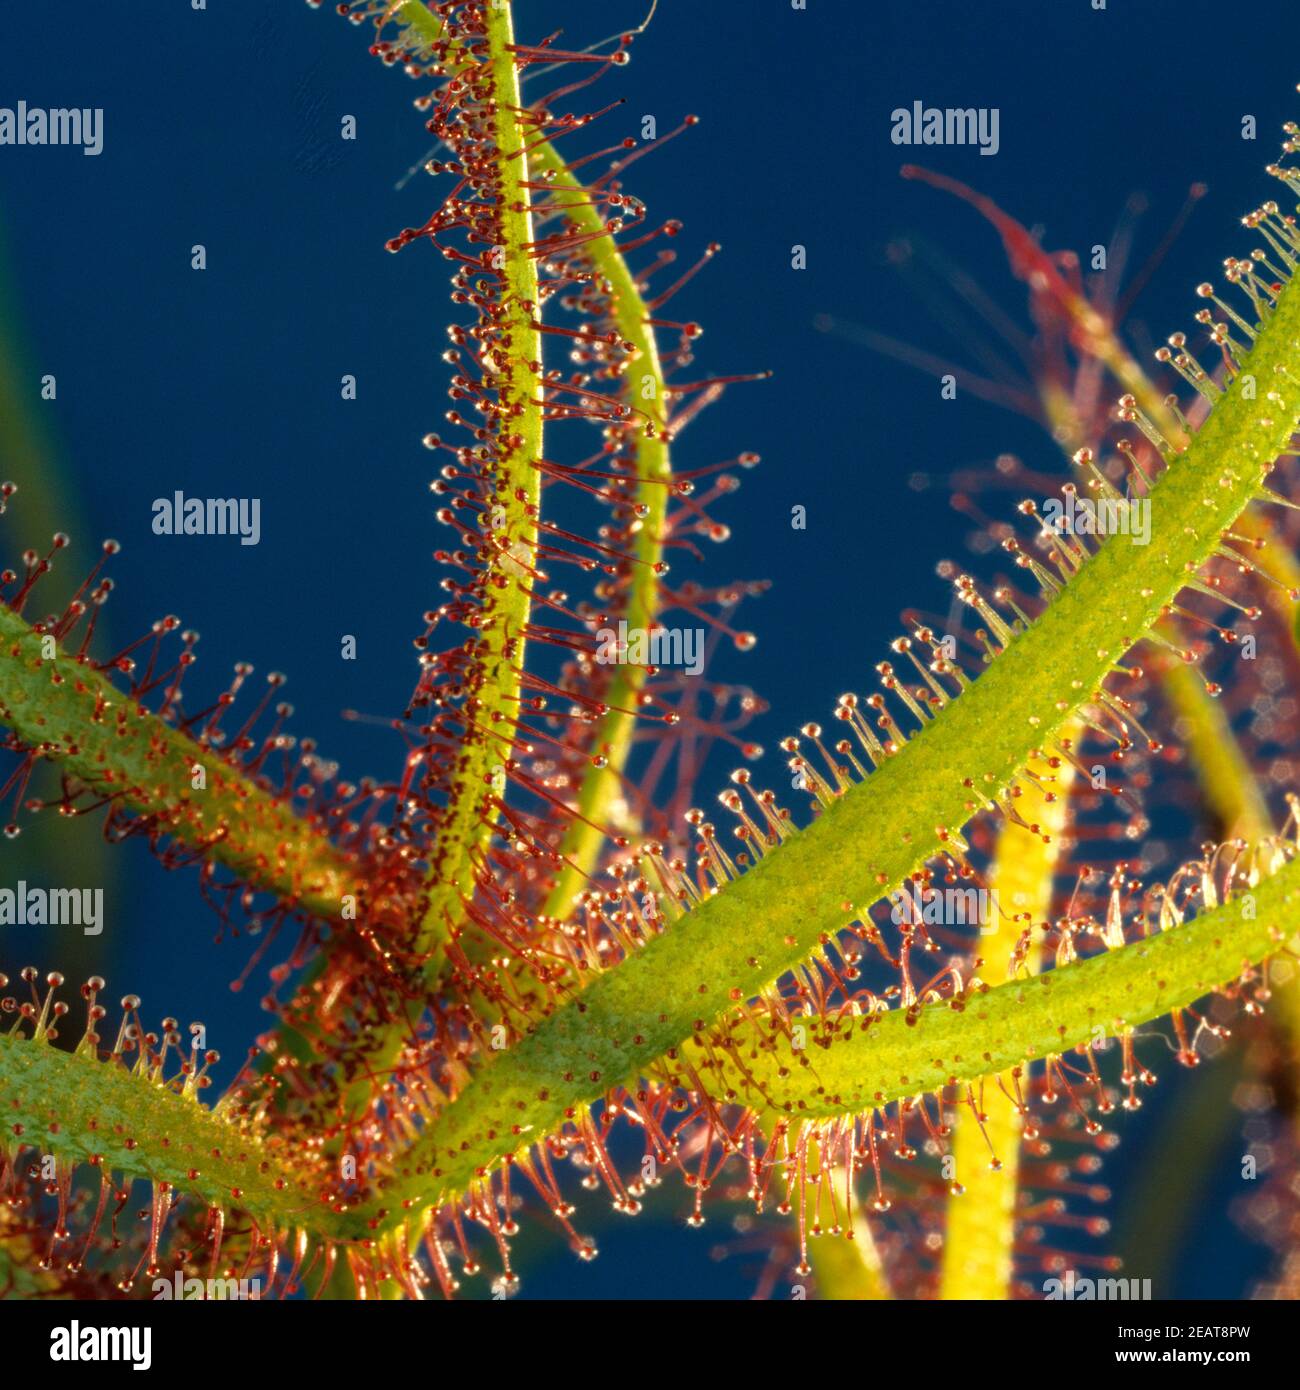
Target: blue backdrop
[[221, 128]]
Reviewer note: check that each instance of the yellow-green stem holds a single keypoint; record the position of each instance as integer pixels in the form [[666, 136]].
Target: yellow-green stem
[[847, 1264], [602, 786], [980, 1237], [74, 715], [467, 829], [1216, 758]]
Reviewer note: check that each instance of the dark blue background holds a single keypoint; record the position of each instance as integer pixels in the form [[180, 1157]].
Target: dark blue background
[[221, 128]]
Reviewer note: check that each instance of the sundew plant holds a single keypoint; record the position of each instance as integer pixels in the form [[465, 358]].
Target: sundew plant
[[880, 1000]]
